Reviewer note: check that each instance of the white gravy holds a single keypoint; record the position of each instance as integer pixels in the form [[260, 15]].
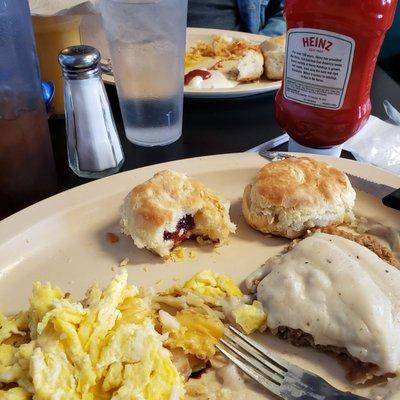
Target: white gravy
[[341, 293], [217, 81]]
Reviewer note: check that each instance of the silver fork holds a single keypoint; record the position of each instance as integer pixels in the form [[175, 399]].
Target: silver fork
[[277, 375], [274, 155]]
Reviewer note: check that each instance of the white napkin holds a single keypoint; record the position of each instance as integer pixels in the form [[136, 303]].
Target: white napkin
[[378, 142], [62, 7]]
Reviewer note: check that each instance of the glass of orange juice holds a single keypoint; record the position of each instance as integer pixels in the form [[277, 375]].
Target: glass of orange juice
[[52, 35]]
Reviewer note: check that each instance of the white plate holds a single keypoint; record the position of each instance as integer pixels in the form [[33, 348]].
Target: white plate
[[244, 89], [63, 239]]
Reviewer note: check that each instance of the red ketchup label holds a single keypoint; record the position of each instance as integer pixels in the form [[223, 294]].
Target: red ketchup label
[[197, 72], [317, 42], [318, 65]]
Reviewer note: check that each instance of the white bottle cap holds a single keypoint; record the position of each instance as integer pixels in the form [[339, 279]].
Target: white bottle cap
[[334, 151]]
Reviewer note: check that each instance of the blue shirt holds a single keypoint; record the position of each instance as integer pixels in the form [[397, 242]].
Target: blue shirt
[[262, 16], [217, 14], [254, 16]]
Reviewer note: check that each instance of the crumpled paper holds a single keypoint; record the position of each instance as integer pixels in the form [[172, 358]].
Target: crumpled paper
[[378, 142], [63, 7]]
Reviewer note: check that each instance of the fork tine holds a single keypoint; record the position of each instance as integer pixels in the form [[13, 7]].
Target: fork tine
[[251, 359], [264, 360], [261, 350], [292, 383], [249, 371]]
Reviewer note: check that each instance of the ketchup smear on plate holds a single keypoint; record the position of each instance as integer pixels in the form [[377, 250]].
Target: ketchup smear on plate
[[197, 72]]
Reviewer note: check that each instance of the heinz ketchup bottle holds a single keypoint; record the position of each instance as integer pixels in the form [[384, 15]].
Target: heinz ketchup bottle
[[331, 52]]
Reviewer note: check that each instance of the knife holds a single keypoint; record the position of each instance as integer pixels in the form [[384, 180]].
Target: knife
[[389, 195]]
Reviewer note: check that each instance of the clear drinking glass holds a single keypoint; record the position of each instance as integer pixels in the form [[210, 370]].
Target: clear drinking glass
[[27, 170], [147, 44]]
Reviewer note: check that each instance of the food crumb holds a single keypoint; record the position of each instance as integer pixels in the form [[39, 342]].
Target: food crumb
[[177, 254], [192, 254], [180, 253], [202, 241], [159, 281], [67, 295], [124, 262], [145, 268], [112, 237], [194, 388]]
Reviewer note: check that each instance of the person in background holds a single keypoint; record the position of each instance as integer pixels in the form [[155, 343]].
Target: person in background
[[263, 17], [391, 44], [389, 57]]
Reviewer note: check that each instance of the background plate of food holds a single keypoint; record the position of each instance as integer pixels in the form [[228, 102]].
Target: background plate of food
[[220, 63], [234, 64], [136, 226]]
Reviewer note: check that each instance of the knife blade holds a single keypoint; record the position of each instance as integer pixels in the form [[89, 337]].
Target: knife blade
[[389, 195], [376, 189]]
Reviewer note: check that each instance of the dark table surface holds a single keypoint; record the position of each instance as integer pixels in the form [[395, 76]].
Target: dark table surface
[[210, 126]]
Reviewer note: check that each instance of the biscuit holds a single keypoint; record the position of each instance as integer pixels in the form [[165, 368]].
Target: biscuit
[[273, 50], [290, 196], [250, 66], [170, 208]]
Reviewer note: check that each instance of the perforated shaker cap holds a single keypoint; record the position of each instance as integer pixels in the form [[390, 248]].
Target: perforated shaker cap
[[79, 62]]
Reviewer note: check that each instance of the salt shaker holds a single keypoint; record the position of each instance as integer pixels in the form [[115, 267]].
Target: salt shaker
[[94, 149]]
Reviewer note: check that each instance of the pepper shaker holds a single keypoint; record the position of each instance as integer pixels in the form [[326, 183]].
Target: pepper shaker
[[94, 148]]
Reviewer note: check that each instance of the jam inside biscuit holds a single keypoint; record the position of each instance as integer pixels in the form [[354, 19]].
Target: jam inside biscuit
[[183, 230]]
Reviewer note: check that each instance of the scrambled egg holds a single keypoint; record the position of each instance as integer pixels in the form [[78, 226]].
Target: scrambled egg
[[195, 333], [192, 60], [198, 327], [103, 348], [250, 317], [117, 343], [216, 288], [213, 285]]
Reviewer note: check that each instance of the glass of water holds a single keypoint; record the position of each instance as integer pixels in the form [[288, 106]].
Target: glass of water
[[147, 45]]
